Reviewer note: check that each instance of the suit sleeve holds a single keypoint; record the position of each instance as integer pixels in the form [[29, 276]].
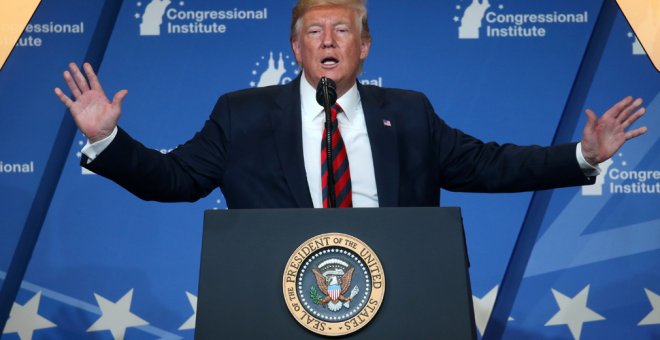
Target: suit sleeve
[[467, 164], [188, 173]]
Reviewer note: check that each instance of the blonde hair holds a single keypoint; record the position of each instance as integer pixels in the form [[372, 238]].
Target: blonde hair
[[302, 6]]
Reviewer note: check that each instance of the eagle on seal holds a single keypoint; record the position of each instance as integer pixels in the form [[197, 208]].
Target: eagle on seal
[[334, 287]]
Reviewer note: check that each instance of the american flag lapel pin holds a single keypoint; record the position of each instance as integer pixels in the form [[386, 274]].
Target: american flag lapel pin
[[387, 123]]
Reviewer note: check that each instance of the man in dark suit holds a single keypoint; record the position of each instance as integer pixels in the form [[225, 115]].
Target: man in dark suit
[[261, 146]]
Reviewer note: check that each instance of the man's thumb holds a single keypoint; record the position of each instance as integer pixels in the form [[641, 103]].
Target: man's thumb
[[119, 98], [591, 118]]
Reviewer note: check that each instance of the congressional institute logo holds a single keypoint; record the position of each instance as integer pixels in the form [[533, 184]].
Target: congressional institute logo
[[333, 284]]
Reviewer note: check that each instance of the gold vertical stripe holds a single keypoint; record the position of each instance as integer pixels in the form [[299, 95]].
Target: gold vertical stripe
[[644, 17], [14, 15]]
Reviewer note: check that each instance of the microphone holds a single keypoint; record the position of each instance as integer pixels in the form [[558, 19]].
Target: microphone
[[326, 92], [326, 96]]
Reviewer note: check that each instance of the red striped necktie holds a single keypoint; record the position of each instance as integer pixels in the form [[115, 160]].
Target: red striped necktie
[[340, 169]]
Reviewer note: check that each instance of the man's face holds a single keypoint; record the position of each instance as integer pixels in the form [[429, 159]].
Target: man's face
[[329, 45]]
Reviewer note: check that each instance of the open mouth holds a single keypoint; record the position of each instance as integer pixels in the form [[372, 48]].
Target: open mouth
[[330, 61]]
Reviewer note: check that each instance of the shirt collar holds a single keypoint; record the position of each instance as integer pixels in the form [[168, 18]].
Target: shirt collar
[[311, 109]]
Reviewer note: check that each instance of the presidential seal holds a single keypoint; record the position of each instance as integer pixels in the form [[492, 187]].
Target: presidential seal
[[333, 284]]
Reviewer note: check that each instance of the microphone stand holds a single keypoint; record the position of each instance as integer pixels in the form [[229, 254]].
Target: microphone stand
[[326, 96]]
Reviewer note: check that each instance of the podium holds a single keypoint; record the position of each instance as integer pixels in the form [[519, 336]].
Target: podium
[[422, 251]]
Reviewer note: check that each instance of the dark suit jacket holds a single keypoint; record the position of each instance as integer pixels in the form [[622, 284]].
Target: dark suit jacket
[[251, 147]]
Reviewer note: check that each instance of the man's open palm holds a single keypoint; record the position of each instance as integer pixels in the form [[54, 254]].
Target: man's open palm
[[94, 114], [601, 138]]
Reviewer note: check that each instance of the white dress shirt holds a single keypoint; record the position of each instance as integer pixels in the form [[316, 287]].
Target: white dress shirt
[[353, 129]]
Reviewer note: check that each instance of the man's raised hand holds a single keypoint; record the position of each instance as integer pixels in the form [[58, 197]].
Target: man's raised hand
[[90, 108], [601, 138]]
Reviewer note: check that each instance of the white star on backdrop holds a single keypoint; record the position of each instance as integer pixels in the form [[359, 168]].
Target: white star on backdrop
[[190, 323], [573, 312], [653, 318], [137, 15], [116, 316], [483, 307], [25, 319]]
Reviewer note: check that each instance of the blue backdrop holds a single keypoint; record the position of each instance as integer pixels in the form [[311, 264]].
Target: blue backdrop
[[107, 264]]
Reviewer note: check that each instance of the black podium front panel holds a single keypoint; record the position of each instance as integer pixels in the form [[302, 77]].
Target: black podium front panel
[[422, 251]]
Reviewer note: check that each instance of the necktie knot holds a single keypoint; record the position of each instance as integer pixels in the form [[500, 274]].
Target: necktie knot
[[334, 111]]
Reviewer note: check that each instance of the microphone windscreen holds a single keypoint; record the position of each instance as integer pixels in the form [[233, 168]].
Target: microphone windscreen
[[326, 85]]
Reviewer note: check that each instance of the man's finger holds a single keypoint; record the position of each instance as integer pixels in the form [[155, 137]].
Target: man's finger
[[636, 133], [615, 110], [63, 98], [632, 118], [91, 76], [79, 78], [75, 91], [623, 115]]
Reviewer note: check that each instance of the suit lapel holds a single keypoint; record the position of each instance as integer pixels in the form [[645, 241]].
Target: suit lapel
[[381, 128], [287, 128]]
